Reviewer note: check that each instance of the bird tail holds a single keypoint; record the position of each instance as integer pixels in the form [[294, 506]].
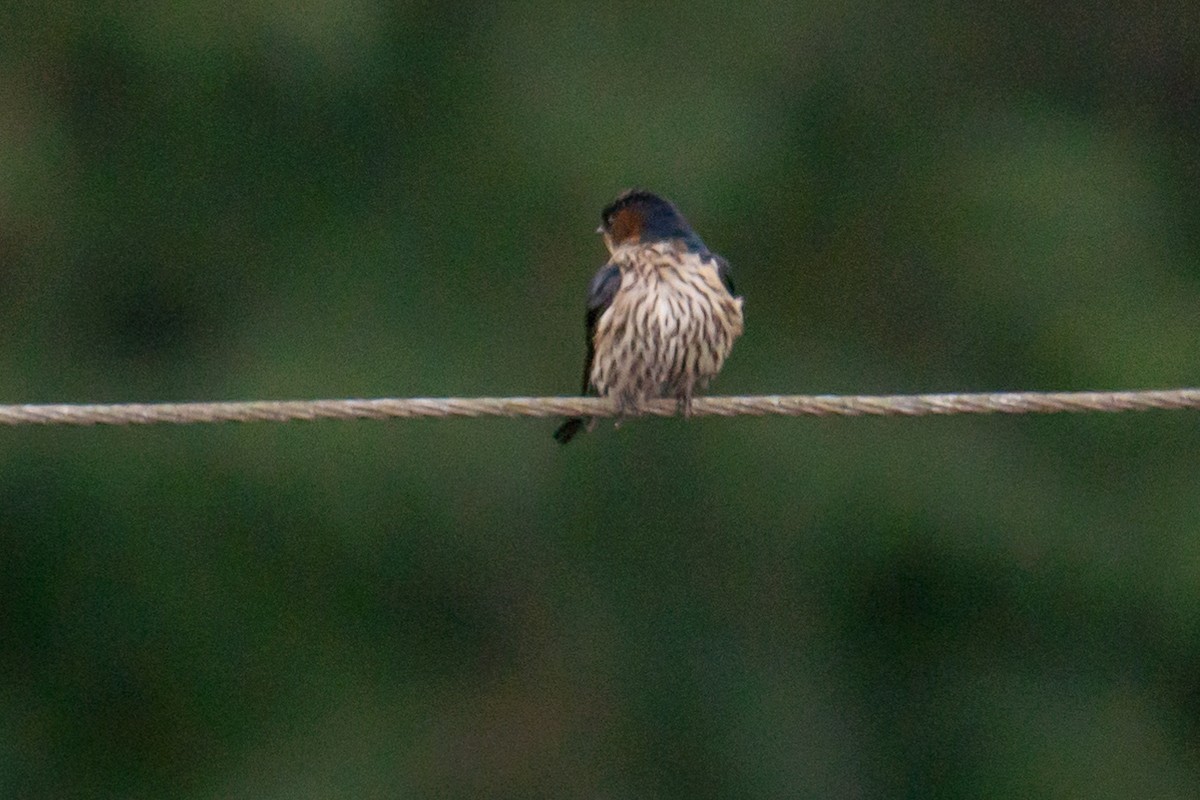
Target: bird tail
[[567, 431]]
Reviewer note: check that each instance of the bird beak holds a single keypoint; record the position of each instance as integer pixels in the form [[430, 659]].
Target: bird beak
[[600, 229]]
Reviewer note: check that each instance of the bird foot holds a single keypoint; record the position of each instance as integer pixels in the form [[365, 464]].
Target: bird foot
[[683, 405]]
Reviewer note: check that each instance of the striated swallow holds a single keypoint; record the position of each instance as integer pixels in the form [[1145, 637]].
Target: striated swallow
[[662, 315]]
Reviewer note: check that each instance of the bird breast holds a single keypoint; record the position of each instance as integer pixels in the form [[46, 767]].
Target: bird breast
[[670, 327]]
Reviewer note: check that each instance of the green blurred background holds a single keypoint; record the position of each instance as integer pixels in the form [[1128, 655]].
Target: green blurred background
[[328, 199]]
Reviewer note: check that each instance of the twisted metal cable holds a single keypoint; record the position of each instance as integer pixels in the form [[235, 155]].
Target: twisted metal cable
[[760, 405]]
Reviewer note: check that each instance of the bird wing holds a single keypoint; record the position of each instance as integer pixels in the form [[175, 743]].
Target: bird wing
[[600, 296], [724, 273]]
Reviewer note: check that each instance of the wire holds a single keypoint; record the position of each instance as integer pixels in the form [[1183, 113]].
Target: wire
[[759, 405]]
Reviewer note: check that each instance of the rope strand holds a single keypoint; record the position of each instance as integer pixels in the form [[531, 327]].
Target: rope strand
[[761, 405]]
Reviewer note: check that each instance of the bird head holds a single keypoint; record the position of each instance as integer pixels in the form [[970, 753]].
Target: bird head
[[638, 217]]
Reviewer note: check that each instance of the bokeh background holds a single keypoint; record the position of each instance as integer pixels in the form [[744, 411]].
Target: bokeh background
[[328, 199]]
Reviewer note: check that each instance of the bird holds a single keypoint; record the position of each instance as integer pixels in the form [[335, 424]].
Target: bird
[[662, 313]]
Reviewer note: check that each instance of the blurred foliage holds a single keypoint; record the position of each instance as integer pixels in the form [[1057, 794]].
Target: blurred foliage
[[359, 198]]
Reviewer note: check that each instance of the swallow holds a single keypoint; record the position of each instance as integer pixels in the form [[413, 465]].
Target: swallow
[[662, 313]]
